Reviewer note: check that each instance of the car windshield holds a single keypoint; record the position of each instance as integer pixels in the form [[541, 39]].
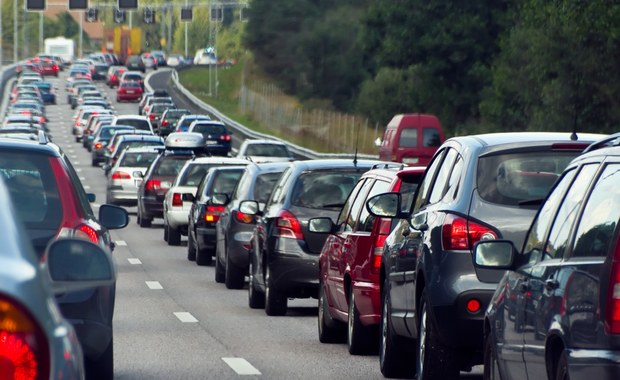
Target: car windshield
[[511, 179], [324, 190]]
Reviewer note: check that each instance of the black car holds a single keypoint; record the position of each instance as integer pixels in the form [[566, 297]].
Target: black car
[[212, 194], [217, 138], [284, 255], [556, 311], [479, 187], [234, 228], [168, 120], [135, 62]]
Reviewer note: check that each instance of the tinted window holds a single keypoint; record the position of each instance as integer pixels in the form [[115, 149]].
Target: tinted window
[[512, 178], [431, 137], [225, 181], [356, 203], [170, 166], [344, 213], [138, 159], [441, 183], [269, 150], [366, 220], [408, 138], [279, 195], [136, 123], [264, 186], [212, 129], [600, 216], [423, 194], [193, 175], [324, 190], [408, 186]]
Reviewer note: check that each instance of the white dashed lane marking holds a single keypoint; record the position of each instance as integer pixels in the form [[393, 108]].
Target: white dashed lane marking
[[134, 261], [185, 317], [241, 366], [154, 285]]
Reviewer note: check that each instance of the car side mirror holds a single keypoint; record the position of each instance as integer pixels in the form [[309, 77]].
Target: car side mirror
[[322, 225], [492, 258], [113, 217], [138, 174], [78, 264], [188, 197], [249, 207], [387, 205]]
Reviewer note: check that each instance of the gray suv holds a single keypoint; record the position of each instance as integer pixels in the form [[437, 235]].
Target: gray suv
[[480, 187]]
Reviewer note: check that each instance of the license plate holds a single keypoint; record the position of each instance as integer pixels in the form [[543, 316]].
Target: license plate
[[211, 142], [130, 91]]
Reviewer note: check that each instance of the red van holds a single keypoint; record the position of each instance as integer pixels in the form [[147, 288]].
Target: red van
[[411, 139]]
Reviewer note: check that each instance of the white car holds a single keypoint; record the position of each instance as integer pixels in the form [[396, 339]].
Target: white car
[[176, 208], [122, 187], [175, 60], [136, 121], [264, 151]]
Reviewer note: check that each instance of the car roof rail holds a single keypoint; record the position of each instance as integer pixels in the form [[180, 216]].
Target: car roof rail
[[43, 140], [611, 140], [388, 165]]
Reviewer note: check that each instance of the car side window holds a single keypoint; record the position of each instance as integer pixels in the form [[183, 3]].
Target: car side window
[[278, 195], [356, 205], [600, 216], [366, 220], [535, 238], [560, 230], [440, 187], [344, 213], [425, 186]]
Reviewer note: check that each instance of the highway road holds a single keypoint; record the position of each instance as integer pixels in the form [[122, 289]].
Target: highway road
[[173, 321]]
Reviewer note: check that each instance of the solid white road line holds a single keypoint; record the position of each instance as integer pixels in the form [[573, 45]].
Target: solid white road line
[[241, 366], [154, 285], [185, 317], [134, 261]]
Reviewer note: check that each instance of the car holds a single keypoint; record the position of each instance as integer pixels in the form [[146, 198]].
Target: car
[[129, 91], [135, 63], [152, 101], [350, 261], [185, 121], [155, 113], [411, 139], [114, 75], [169, 119], [160, 57], [233, 230], [101, 139], [136, 121], [35, 338], [284, 255], [179, 148], [49, 199], [175, 60], [177, 203], [478, 187], [132, 76], [123, 140], [219, 183], [260, 150], [566, 276], [122, 186], [149, 61], [101, 71], [81, 118], [48, 92], [159, 93], [93, 124], [216, 137]]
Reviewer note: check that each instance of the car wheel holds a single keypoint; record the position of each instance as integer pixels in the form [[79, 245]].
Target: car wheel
[[235, 278], [191, 247], [203, 257], [220, 275], [330, 330], [165, 231], [103, 367], [145, 222], [275, 303], [434, 359], [395, 352], [94, 162], [360, 339], [561, 372], [491, 370], [256, 298], [174, 236]]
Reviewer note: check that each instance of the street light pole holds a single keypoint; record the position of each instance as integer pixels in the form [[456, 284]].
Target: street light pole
[[41, 32], [15, 31], [81, 33]]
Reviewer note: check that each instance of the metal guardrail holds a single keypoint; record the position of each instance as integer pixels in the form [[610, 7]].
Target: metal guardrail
[[296, 149], [7, 73]]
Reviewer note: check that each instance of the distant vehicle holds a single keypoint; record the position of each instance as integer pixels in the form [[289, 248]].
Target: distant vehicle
[[264, 151], [205, 57], [64, 47], [411, 139]]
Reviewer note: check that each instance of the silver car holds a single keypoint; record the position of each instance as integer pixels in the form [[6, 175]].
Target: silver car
[[34, 337], [122, 188]]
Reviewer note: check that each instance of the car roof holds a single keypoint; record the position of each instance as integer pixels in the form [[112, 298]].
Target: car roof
[[506, 138], [217, 159]]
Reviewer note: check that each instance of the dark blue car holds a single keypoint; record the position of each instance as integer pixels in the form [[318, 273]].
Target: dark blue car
[[47, 92]]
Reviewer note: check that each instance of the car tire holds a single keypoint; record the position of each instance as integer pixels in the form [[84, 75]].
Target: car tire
[[191, 247], [165, 231], [395, 352], [561, 368], [435, 361], [174, 236], [94, 162], [220, 274], [361, 339], [256, 298], [491, 370], [275, 302], [142, 221], [235, 277], [203, 257], [330, 330], [103, 367]]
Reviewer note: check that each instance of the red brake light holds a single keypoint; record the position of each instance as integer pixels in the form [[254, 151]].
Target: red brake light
[[152, 184], [287, 226], [612, 319], [24, 350], [225, 137], [120, 175], [459, 233], [151, 116], [98, 145], [244, 218], [164, 123], [380, 236], [176, 199], [473, 305], [212, 214], [87, 232]]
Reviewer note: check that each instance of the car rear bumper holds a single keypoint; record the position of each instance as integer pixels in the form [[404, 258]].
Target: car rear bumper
[[177, 218], [295, 272], [594, 364], [206, 237]]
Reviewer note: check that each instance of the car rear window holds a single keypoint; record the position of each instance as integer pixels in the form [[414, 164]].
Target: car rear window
[[138, 159], [512, 179], [226, 181], [211, 129], [324, 190], [267, 150], [170, 165], [32, 187], [136, 123]]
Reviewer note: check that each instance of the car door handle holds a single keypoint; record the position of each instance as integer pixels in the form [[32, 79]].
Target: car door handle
[[551, 284]]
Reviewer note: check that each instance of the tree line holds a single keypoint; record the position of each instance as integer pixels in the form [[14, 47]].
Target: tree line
[[479, 65]]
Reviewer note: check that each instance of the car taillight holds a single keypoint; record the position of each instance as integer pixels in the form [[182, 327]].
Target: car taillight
[[377, 253], [244, 218], [112, 77], [98, 145], [225, 137], [287, 226], [24, 349], [152, 184], [612, 318], [212, 214], [459, 233], [151, 116], [164, 123], [177, 200], [120, 175]]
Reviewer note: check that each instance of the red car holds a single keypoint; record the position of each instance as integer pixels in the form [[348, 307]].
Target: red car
[[350, 261], [49, 67], [129, 91], [114, 76]]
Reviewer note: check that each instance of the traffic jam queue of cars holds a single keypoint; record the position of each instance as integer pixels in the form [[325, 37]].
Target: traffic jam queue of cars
[[497, 249]]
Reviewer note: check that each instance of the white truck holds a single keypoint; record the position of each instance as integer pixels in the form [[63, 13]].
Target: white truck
[[62, 46]]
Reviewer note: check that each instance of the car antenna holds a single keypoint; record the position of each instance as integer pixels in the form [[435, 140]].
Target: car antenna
[[573, 136], [357, 139]]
